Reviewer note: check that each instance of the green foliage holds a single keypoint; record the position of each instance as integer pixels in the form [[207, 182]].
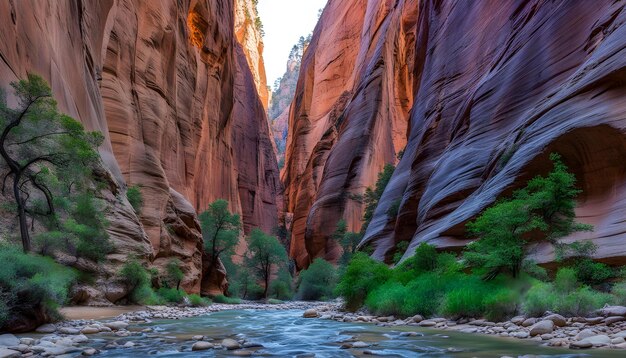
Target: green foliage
[[171, 295], [273, 301], [51, 162], [318, 281], [372, 196], [174, 274], [543, 210], [264, 253], [138, 281], [347, 240], [31, 283], [362, 276], [198, 301], [566, 296], [578, 255], [135, 198], [392, 211], [619, 293], [281, 287], [220, 231], [226, 300], [400, 249]]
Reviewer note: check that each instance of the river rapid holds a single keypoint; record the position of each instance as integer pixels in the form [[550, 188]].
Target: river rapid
[[285, 333]]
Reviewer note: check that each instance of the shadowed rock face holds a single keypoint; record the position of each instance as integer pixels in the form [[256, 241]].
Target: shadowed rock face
[[500, 85], [492, 88], [170, 87], [348, 117]]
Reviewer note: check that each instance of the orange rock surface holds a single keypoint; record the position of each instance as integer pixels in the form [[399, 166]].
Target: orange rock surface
[[348, 118], [170, 87]]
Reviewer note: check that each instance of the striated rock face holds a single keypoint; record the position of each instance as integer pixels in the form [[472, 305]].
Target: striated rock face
[[171, 88], [348, 118], [498, 86]]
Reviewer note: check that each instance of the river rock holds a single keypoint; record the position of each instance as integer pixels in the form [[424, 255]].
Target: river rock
[[201, 346], [542, 327], [613, 311], [585, 333], [517, 320], [89, 352], [581, 344], [90, 330], [620, 334], [558, 320], [27, 341], [9, 340], [230, 344], [617, 340], [360, 344], [598, 340], [46, 328], [594, 320], [197, 338], [529, 322], [9, 353], [520, 334], [242, 353], [613, 319], [68, 330], [417, 318], [116, 325], [310, 313], [427, 323]]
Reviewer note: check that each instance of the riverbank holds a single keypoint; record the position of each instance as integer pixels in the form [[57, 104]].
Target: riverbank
[[97, 329], [607, 329]]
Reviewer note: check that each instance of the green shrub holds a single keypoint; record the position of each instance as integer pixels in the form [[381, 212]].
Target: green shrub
[[171, 295], [145, 295], [198, 301], [273, 301], [281, 287], [31, 284], [467, 300], [138, 281], [590, 272], [426, 292], [135, 198], [387, 299], [581, 302], [400, 249], [174, 274], [362, 276], [318, 281], [227, 300], [539, 299], [619, 293]]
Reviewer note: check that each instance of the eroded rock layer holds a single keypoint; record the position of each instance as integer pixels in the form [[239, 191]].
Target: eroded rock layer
[[348, 117], [170, 87], [500, 85]]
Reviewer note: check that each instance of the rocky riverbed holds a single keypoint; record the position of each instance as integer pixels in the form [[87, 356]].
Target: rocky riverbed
[[137, 331], [605, 329]]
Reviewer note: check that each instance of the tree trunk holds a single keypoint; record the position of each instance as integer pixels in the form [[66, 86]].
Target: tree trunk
[[267, 279], [21, 213]]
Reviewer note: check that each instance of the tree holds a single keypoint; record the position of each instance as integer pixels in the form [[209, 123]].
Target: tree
[[348, 241], [49, 156], [174, 273], [264, 253], [318, 281], [542, 211], [372, 196], [220, 230]]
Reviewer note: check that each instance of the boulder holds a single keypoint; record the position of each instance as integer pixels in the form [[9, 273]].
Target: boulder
[[9, 340], [427, 323], [581, 344], [542, 327], [529, 322], [613, 319], [9, 353], [310, 313], [46, 328], [558, 320], [585, 333], [613, 311], [230, 344], [116, 325], [201, 346], [90, 330]]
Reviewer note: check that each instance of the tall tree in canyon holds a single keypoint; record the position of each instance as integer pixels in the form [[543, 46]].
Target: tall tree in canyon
[[220, 230]]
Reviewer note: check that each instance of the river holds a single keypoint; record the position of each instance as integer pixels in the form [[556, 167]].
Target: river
[[284, 333]]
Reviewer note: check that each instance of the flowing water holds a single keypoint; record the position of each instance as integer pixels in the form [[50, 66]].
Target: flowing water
[[285, 333]]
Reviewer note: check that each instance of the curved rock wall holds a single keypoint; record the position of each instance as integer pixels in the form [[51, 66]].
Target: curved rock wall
[[348, 118], [499, 86], [170, 86]]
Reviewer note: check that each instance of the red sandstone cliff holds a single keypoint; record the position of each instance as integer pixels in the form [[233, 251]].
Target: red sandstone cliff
[[348, 117], [170, 87]]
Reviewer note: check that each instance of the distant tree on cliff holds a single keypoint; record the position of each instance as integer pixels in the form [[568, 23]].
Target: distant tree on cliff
[[348, 241], [542, 211], [174, 274], [220, 230], [265, 253], [372, 196], [51, 161]]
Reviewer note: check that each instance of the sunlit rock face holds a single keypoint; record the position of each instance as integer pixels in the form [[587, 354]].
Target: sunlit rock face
[[348, 118], [170, 86], [498, 86]]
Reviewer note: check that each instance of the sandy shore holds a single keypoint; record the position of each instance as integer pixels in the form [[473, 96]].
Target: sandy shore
[[97, 313]]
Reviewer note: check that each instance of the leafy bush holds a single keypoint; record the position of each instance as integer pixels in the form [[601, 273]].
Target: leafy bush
[[362, 276], [135, 198], [198, 301], [318, 281], [281, 287], [171, 295], [30, 285], [400, 249], [387, 299], [590, 272], [174, 273], [138, 281], [227, 300], [273, 301]]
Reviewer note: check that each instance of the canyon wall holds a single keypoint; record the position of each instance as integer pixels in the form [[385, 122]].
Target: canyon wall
[[348, 118], [480, 92], [171, 88]]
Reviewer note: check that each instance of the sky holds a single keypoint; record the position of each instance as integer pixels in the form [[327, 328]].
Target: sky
[[284, 21]]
